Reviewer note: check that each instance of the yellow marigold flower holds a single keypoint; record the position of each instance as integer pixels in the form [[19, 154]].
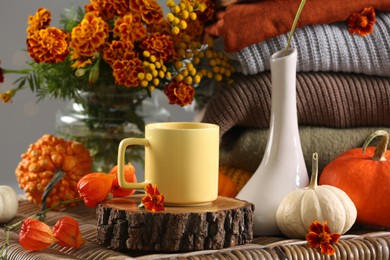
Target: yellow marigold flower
[[41, 20], [89, 35], [116, 50], [48, 45], [144, 83], [126, 71], [159, 45], [130, 28], [150, 10]]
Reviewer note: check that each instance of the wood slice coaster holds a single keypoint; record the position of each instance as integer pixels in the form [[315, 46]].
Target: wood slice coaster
[[226, 222]]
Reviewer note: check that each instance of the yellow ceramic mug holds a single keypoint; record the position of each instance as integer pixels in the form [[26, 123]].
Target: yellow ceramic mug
[[181, 158]]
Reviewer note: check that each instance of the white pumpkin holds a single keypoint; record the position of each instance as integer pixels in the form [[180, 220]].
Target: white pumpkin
[[302, 206], [8, 203]]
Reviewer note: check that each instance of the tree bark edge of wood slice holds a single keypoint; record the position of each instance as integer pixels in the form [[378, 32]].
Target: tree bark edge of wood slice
[[226, 222]]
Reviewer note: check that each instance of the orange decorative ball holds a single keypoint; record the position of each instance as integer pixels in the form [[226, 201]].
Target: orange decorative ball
[[43, 159], [364, 174]]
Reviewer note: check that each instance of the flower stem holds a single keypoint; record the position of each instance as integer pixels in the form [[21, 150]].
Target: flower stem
[[7, 229], [300, 8]]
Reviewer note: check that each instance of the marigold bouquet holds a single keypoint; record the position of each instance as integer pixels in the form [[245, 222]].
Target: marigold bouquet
[[124, 43]]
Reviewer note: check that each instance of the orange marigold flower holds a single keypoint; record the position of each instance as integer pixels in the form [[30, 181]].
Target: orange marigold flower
[[67, 231], [48, 45], [362, 23], [130, 28], [163, 27], [41, 20], [159, 45], [6, 97], [320, 236], [179, 93], [116, 50], [88, 36], [121, 7], [150, 10], [94, 187], [153, 200], [35, 235], [102, 8], [126, 71]]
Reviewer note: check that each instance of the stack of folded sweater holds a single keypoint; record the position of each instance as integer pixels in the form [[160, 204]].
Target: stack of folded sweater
[[343, 79]]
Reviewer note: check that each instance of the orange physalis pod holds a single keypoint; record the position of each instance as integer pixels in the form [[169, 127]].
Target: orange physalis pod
[[67, 232], [94, 188], [129, 172], [35, 235]]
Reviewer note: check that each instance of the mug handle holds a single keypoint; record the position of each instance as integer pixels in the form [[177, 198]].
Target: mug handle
[[121, 159]]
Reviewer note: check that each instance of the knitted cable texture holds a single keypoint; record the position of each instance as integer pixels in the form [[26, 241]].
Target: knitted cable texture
[[328, 99], [328, 47]]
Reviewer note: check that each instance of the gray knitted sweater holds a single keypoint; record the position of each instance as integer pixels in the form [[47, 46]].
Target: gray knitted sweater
[[328, 47]]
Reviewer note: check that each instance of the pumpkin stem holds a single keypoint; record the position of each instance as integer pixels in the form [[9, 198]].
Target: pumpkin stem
[[381, 148], [314, 172]]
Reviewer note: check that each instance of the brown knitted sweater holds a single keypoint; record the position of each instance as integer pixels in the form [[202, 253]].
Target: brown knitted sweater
[[329, 99]]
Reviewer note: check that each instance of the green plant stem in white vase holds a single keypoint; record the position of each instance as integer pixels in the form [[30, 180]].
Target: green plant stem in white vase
[[282, 168]]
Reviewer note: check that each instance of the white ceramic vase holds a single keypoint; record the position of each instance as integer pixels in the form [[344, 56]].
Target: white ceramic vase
[[282, 168]]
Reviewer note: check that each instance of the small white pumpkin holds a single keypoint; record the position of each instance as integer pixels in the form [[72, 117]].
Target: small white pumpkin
[[8, 203], [317, 202]]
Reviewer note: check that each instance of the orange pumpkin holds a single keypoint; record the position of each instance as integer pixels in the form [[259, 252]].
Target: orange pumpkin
[[364, 174], [46, 157]]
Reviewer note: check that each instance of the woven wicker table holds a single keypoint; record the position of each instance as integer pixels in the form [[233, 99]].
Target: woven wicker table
[[358, 244]]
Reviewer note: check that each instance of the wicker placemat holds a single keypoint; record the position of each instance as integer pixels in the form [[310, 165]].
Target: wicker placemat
[[358, 244]]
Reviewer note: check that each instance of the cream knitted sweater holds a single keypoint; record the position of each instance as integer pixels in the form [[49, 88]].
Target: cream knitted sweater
[[328, 47]]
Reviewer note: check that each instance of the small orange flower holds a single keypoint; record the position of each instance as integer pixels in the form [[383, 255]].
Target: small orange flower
[[67, 231], [48, 45], [150, 10], [6, 97], [35, 235], [362, 23], [153, 200], [41, 20], [179, 93], [320, 236], [94, 188], [159, 45], [129, 171]]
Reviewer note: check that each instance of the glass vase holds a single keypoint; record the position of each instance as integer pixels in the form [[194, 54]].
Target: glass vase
[[101, 118], [282, 168]]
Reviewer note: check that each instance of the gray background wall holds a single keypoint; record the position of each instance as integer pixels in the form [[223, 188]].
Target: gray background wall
[[24, 121]]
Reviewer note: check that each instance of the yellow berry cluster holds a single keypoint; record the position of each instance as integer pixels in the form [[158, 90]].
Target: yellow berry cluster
[[219, 64], [155, 71], [182, 12]]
